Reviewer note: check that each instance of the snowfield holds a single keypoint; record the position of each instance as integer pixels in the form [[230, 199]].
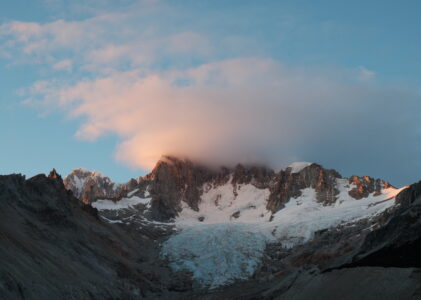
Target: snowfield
[[302, 217], [221, 204], [226, 238], [120, 204]]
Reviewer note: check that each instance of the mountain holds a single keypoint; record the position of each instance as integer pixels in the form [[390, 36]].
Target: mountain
[[175, 182], [91, 185], [187, 231], [53, 246]]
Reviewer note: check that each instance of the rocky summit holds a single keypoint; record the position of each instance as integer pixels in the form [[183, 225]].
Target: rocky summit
[[188, 231]]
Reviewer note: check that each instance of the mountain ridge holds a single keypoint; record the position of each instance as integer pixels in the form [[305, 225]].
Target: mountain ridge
[[289, 208], [212, 252], [174, 180]]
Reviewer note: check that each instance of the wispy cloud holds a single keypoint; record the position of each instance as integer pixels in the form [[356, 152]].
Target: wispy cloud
[[65, 64], [106, 41], [365, 74]]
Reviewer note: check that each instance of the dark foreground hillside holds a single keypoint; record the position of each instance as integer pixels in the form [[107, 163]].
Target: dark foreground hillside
[[54, 247]]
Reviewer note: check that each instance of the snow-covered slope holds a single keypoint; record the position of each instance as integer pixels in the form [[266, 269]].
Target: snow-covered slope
[[225, 220], [103, 204], [303, 216], [242, 203], [224, 240]]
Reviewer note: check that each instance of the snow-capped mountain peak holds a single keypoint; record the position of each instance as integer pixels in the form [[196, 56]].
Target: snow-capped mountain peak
[[88, 185], [235, 213]]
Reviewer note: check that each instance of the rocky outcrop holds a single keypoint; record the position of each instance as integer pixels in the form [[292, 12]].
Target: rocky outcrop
[[398, 242], [366, 185], [90, 186], [174, 180], [288, 184]]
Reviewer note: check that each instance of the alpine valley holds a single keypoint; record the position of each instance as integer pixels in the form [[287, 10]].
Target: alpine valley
[[188, 231]]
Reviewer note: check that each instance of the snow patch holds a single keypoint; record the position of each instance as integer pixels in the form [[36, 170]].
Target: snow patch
[[116, 186], [297, 167], [77, 184], [89, 172], [132, 193], [120, 204], [242, 204]]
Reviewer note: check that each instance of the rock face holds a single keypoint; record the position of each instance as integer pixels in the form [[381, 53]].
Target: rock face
[[397, 243], [366, 185], [89, 186], [53, 246], [175, 181], [288, 184]]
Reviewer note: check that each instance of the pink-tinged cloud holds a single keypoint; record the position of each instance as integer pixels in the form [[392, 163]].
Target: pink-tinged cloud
[[239, 110], [166, 86], [99, 44]]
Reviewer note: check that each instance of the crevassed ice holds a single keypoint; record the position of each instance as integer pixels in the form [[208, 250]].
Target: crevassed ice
[[216, 254]]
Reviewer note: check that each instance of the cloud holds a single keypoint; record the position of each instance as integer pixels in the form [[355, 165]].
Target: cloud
[[168, 88], [104, 42], [238, 110], [65, 65], [365, 74]]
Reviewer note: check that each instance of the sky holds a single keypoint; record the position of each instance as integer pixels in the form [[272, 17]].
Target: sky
[[113, 85]]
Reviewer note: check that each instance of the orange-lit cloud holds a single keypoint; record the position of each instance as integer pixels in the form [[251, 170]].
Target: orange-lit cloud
[[239, 110]]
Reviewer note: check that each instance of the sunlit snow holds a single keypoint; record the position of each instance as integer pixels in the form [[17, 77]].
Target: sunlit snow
[[245, 204], [225, 239], [301, 217]]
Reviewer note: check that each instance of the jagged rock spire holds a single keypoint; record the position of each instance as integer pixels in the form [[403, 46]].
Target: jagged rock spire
[[54, 174]]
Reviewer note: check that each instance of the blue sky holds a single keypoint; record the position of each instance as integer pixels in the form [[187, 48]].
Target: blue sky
[[92, 85]]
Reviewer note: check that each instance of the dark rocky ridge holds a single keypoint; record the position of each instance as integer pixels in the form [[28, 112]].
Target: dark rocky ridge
[[52, 246], [398, 243]]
